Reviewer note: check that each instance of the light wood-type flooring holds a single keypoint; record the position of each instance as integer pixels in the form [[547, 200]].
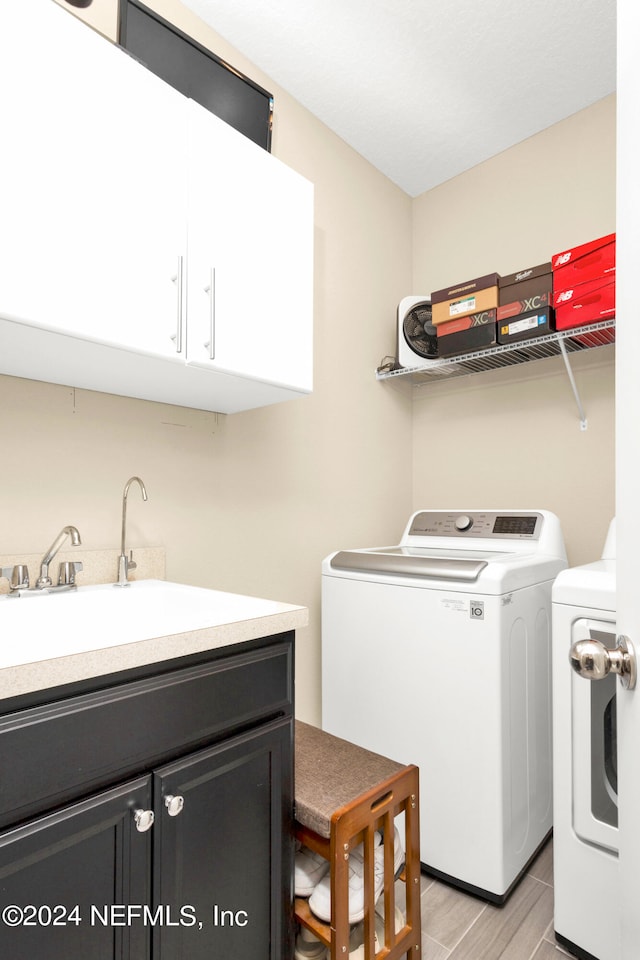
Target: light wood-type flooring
[[456, 926]]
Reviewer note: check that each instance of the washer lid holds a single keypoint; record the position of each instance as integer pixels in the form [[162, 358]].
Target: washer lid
[[401, 562]]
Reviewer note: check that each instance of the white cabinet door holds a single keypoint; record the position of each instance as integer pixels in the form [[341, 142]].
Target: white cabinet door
[[250, 261], [626, 899], [140, 206], [93, 186]]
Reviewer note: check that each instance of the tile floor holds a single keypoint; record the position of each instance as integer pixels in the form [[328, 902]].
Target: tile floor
[[456, 926]]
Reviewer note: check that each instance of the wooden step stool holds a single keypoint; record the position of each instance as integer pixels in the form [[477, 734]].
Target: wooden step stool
[[343, 794]]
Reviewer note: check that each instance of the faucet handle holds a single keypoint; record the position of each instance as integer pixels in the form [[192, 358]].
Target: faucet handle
[[18, 576], [67, 572], [131, 564]]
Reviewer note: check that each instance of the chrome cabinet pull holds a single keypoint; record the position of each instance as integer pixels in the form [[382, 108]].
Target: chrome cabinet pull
[[143, 820], [177, 279], [174, 805], [210, 344], [593, 661]]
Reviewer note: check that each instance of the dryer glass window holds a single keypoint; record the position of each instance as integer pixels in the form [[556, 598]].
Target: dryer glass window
[[604, 753]]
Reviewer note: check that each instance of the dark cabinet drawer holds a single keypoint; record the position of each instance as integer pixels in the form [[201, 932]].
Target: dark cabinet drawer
[[54, 753]]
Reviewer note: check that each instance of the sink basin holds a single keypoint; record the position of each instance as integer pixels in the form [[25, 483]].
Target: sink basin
[[90, 618]]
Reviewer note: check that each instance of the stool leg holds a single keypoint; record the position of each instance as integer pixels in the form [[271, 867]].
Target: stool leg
[[339, 897], [412, 868]]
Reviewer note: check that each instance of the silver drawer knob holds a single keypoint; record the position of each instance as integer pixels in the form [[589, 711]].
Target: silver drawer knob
[[143, 820], [592, 660], [174, 805]]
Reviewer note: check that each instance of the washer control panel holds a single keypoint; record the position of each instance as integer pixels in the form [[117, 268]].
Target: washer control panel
[[463, 522], [487, 524]]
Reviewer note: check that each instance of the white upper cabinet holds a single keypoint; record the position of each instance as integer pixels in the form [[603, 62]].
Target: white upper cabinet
[[136, 221], [250, 258], [93, 185]]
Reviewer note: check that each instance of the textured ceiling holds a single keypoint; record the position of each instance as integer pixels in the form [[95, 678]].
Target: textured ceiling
[[425, 89]]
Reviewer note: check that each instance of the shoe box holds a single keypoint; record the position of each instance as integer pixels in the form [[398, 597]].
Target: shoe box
[[525, 326], [576, 287], [524, 291], [589, 261], [584, 283], [474, 332], [585, 303], [465, 299]]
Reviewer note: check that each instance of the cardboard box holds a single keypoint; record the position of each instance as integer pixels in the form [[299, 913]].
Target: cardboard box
[[585, 303], [465, 299], [464, 334], [526, 290], [584, 263], [534, 323]]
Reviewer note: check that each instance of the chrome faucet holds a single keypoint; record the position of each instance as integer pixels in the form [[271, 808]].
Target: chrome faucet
[[18, 575], [127, 563], [44, 580]]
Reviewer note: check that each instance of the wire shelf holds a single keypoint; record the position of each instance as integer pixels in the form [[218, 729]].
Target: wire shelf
[[509, 354]]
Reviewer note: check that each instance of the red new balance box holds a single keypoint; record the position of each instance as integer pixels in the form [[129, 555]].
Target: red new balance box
[[526, 290], [586, 262], [585, 303], [465, 299], [475, 332]]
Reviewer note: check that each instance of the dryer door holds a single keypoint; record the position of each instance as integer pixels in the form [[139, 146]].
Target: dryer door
[[594, 746]]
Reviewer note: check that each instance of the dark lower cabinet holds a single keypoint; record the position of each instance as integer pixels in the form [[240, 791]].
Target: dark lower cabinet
[[220, 857], [59, 873], [189, 860]]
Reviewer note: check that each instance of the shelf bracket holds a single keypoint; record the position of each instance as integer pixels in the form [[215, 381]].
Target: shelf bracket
[[565, 357]]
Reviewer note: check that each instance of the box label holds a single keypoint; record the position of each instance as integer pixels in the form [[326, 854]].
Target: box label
[[466, 322], [525, 305], [520, 326], [563, 297], [467, 305]]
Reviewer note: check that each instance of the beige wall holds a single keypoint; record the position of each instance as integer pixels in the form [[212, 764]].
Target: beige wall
[[511, 439], [252, 502]]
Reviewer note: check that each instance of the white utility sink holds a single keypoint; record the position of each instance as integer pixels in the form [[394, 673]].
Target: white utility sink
[[49, 625]]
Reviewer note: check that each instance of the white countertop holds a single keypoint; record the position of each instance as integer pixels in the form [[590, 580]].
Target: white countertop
[[58, 639]]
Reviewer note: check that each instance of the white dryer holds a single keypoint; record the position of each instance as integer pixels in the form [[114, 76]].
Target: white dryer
[[585, 834], [437, 652]]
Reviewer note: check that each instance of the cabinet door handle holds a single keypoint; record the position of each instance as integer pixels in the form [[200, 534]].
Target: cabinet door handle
[[177, 279], [210, 344], [143, 820], [174, 805]]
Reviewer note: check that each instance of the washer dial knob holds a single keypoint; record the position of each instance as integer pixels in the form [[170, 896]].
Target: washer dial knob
[[463, 522]]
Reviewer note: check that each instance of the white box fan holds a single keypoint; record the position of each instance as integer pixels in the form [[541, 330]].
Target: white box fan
[[417, 339]]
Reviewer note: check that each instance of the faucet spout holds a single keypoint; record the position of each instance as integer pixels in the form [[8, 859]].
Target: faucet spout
[[44, 580], [126, 563]]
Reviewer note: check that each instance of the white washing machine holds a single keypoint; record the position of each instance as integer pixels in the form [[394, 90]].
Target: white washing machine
[[437, 652], [585, 844]]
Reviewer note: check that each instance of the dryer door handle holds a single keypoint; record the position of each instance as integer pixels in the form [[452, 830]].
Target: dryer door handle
[[592, 660]]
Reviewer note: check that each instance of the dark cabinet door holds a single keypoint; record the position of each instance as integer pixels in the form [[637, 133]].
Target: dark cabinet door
[[225, 858], [62, 875]]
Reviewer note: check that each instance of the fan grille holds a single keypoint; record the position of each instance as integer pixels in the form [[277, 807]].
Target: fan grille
[[419, 332]]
